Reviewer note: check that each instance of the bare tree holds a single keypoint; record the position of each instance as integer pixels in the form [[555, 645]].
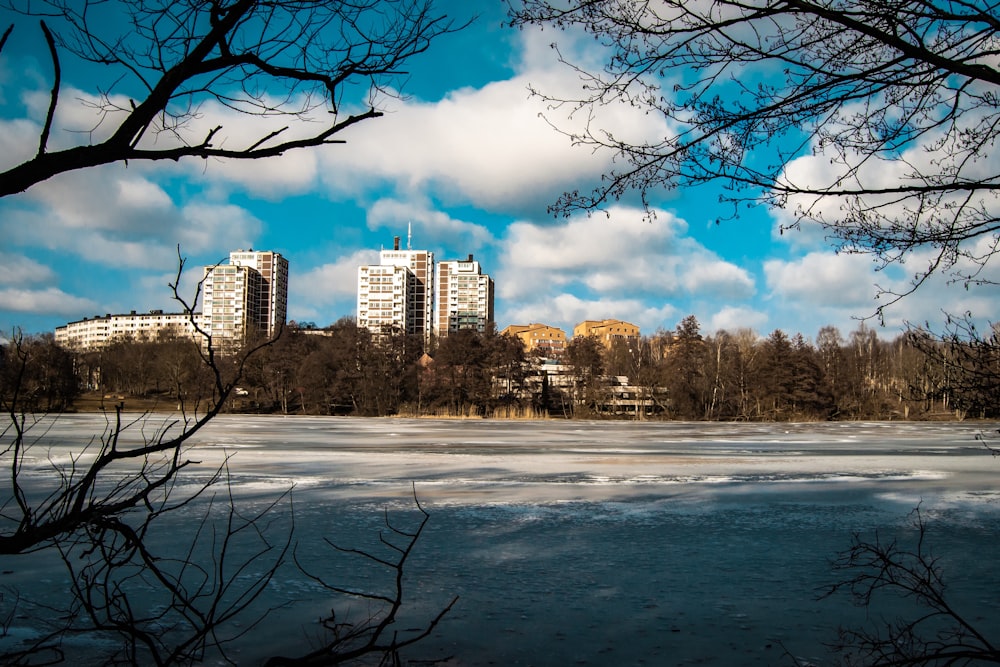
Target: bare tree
[[941, 634], [174, 66], [349, 639], [965, 364], [110, 517], [102, 512], [876, 119]]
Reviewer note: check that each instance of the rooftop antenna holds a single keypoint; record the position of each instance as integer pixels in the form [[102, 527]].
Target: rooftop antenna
[[409, 234]]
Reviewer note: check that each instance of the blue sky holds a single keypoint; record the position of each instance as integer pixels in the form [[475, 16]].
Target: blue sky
[[468, 159]]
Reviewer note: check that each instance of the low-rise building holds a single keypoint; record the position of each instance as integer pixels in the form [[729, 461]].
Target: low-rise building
[[92, 333], [608, 331], [248, 295], [541, 339]]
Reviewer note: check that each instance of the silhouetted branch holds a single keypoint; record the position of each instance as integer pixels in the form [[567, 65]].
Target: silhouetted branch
[[936, 633], [351, 640], [874, 119], [289, 58]]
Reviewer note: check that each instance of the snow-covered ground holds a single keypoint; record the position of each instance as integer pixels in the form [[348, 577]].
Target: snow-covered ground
[[608, 543]]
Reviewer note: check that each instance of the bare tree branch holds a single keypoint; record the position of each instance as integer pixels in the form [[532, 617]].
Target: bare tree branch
[[292, 58], [371, 636], [874, 119], [938, 633]]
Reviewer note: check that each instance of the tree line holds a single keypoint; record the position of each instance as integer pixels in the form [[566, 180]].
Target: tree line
[[676, 374]]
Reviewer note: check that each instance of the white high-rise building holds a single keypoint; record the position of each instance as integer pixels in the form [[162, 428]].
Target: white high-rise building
[[464, 297], [404, 279], [248, 295], [407, 290], [271, 302], [382, 297], [229, 301]]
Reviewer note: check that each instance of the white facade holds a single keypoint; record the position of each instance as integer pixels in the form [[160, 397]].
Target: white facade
[[230, 302], [464, 297], [97, 332], [270, 304], [250, 294], [406, 279], [383, 297], [420, 297]]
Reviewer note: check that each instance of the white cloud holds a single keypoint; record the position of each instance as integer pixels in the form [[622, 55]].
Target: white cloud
[[16, 136], [20, 270], [112, 216], [216, 228], [828, 288], [491, 146], [328, 291], [48, 301], [824, 278], [734, 318], [431, 226], [623, 253], [110, 198]]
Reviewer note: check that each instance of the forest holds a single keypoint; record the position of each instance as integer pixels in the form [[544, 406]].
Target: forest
[[679, 374]]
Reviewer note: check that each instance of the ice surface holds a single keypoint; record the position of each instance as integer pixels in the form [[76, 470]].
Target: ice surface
[[604, 543]]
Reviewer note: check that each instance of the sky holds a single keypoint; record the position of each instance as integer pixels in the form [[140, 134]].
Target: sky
[[469, 161]]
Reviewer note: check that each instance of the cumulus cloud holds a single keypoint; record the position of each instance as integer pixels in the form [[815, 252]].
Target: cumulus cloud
[[48, 301], [326, 292], [433, 227], [20, 270], [924, 160], [825, 287], [208, 227], [15, 144], [624, 253], [624, 266], [492, 146], [824, 279], [110, 215], [734, 318]]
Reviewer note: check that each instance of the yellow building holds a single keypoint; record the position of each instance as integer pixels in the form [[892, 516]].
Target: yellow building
[[547, 341], [607, 331]]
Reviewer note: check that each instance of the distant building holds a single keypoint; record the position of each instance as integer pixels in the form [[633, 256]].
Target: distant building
[[229, 302], [269, 305], [607, 331], [464, 297], [411, 292], [383, 298], [247, 296], [92, 333], [419, 294], [250, 294], [545, 340]]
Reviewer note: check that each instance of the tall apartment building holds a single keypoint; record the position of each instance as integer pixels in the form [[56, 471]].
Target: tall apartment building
[[464, 297], [230, 302], [382, 297], [248, 295], [420, 294], [270, 302], [406, 289], [404, 279]]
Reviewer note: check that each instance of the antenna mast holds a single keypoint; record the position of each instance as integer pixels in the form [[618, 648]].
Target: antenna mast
[[409, 234]]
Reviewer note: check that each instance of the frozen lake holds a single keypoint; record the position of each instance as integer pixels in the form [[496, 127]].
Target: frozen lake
[[614, 543]]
